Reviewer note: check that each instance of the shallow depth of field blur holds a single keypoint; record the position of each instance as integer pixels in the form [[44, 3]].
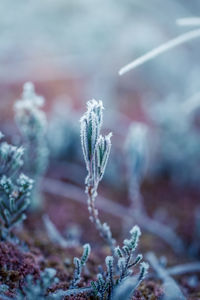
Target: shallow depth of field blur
[[72, 51]]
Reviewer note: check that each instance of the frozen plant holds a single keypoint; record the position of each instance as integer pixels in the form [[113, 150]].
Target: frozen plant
[[15, 189], [79, 263], [32, 124], [15, 199], [10, 159], [119, 269], [96, 150], [40, 288], [36, 289], [137, 143]]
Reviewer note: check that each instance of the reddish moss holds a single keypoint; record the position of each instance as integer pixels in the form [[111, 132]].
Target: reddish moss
[[16, 264], [148, 290]]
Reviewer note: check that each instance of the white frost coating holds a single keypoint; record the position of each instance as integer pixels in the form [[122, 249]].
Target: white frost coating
[[188, 22], [181, 39]]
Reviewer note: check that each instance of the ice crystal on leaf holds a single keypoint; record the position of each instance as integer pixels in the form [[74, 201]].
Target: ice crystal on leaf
[[15, 189], [96, 151]]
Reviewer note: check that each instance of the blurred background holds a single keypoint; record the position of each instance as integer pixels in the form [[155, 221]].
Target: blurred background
[[72, 51]]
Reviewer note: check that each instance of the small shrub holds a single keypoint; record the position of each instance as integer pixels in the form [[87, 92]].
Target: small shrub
[[32, 124], [15, 189]]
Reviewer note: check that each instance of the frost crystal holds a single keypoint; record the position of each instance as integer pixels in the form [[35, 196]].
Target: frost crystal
[[96, 150]]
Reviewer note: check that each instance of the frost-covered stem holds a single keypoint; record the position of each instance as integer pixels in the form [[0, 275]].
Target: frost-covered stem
[[188, 21], [79, 264], [183, 38], [123, 274], [58, 188], [74, 292], [91, 204], [96, 151], [104, 232], [109, 264], [125, 254]]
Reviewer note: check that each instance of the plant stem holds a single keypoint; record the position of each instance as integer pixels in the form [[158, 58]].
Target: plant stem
[[104, 232]]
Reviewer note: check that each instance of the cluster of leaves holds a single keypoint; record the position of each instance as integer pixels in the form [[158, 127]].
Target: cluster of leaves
[[96, 150], [110, 282], [15, 188], [79, 264], [119, 269]]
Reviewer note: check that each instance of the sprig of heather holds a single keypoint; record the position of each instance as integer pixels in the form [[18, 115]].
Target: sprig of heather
[[96, 150], [119, 270], [15, 189], [117, 278], [10, 159], [79, 263], [32, 124]]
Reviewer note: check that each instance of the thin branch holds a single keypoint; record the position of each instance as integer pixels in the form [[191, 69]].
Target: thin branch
[[181, 39], [184, 268], [73, 292], [188, 21]]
